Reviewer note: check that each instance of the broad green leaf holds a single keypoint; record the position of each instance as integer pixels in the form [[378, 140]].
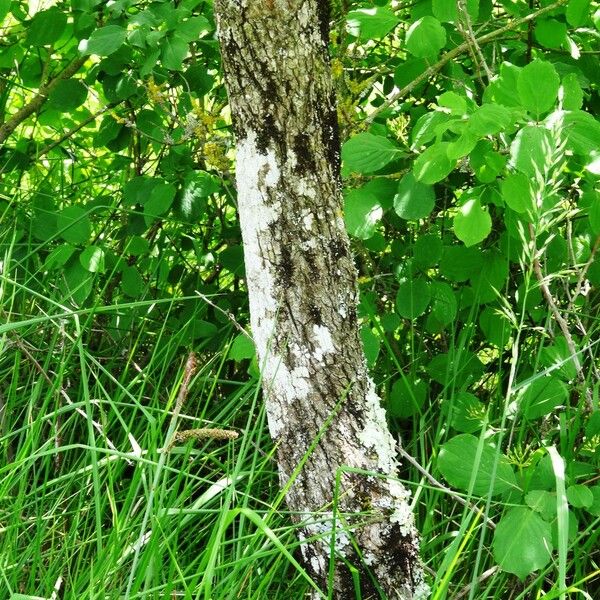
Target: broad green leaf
[[453, 101], [59, 256], [531, 152], [371, 345], [503, 89], [409, 70], [77, 282], [174, 50], [465, 411], [104, 41], [487, 164], [67, 95], [538, 85], [582, 132], [92, 259], [459, 459], [160, 200], [132, 283], [594, 509], [425, 129], [425, 37], [571, 93], [137, 246], [489, 119], [594, 214], [198, 80], [460, 263], [4, 8], [371, 23], [541, 396], [413, 298], [522, 542], [362, 213], [413, 200], [242, 348], [578, 11], [517, 193], [444, 306], [190, 29], [558, 356], [550, 33], [407, 397], [490, 281], [463, 366], [495, 326], [543, 502], [46, 27], [463, 145], [74, 225], [367, 153], [580, 496], [445, 10], [472, 223], [137, 190], [427, 250], [433, 164], [109, 129]]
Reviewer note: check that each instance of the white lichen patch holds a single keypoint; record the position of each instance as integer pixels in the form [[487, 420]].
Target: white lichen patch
[[375, 433], [323, 342]]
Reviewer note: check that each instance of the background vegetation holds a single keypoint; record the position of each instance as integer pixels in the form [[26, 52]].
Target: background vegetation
[[471, 164]]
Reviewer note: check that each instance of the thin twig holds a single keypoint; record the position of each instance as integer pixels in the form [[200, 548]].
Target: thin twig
[[38, 100], [485, 575], [452, 54], [442, 487], [224, 312]]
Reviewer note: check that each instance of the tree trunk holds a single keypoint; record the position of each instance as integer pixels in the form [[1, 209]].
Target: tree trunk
[[323, 410]]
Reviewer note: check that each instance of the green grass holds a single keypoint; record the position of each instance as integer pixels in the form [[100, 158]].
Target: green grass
[[95, 505]]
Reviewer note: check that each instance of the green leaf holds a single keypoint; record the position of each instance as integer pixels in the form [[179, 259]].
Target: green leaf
[[371, 23], [425, 37], [427, 250], [531, 152], [541, 396], [160, 200], [459, 263], [455, 102], [132, 283], [496, 327], [137, 190], [242, 348], [174, 51], [551, 33], [74, 225], [362, 213], [522, 542], [67, 95], [558, 356], [464, 367], [472, 223], [407, 397], [413, 298], [413, 200], [503, 89], [104, 41], [46, 27], [538, 85], [444, 306], [425, 129], [580, 496], [92, 259], [571, 93], [190, 29], [59, 256], [446, 12], [582, 131], [460, 459], [489, 119], [578, 12], [433, 164], [465, 411], [371, 345], [543, 502], [77, 283], [367, 153], [517, 193]]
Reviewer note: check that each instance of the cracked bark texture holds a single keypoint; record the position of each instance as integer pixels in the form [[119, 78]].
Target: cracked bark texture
[[303, 294]]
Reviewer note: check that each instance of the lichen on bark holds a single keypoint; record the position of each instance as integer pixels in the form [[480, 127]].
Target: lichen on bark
[[302, 288]]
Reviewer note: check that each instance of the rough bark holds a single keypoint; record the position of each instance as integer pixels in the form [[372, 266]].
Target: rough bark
[[303, 295]]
